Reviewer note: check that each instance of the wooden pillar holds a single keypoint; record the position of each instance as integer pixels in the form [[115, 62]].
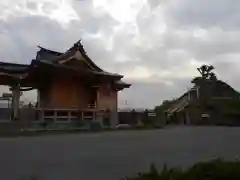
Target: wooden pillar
[[82, 116], [98, 98], [197, 92], [38, 99], [54, 116], [42, 115], [69, 116], [93, 116], [15, 101]]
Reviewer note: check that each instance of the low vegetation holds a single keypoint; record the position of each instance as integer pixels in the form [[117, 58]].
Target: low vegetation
[[160, 110], [213, 97], [214, 170]]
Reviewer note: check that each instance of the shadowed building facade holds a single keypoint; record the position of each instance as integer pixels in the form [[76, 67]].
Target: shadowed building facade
[[70, 86]]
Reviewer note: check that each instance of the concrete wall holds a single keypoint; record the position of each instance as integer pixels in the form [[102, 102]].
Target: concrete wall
[[5, 114], [8, 127], [130, 117], [27, 115], [134, 117]]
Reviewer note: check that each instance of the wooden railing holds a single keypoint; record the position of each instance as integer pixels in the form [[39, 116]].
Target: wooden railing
[[69, 114], [92, 105]]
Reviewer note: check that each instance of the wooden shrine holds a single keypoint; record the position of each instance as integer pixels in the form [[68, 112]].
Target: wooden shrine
[[70, 85]]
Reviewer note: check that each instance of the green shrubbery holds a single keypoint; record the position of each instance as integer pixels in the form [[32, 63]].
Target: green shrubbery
[[213, 170]]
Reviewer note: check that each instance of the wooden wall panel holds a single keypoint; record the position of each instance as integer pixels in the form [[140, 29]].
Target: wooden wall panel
[[107, 101], [65, 92]]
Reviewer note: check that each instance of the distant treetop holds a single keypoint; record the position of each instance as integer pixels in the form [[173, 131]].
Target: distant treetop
[[206, 74]]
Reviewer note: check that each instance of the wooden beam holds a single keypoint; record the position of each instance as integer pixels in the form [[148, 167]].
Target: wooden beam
[[27, 89]]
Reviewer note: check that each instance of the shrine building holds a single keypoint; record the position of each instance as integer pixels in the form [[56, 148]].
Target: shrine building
[[70, 87]]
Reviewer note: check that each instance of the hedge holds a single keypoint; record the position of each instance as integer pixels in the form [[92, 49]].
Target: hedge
[[213, 170]]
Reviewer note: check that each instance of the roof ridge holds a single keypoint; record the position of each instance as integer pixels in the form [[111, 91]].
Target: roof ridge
[[14, 64], [77, 46], [53, 51]]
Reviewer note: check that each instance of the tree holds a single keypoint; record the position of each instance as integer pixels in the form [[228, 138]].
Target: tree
[[205, 71], [212, 76], [206, 74], [166, 104]]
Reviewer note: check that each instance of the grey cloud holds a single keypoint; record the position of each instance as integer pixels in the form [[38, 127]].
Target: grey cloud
[[155, 3], [204, 13], [23, 34], [145, 95], [165, 47], [49, 7], [31, 5], [97, 52], [217, 42], [93, 20], [140, 43], [227, 67], [170, 50]]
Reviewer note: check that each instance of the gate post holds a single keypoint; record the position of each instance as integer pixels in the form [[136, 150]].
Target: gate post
[[15, 101]]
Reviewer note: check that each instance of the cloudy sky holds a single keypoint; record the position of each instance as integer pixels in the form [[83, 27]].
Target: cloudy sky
[[156, 44]]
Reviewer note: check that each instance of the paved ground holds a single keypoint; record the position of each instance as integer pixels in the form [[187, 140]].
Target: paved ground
[[109, 156]]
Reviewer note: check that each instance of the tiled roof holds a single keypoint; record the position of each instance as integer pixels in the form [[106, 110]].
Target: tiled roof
[[12, 67], [122, 83], [53, 56], [46, 54], [76, 69]]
